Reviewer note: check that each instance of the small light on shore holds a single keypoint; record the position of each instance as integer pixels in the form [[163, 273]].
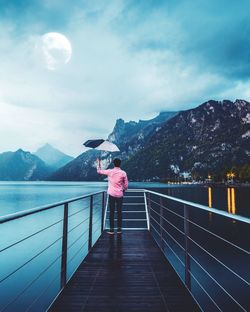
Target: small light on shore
[[230, 175]]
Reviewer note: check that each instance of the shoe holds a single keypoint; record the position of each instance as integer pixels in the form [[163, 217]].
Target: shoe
[[111, 232]]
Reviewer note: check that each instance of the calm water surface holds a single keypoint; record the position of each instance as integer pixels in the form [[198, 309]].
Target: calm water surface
[[17, 196], [234, 200], [35, 283]]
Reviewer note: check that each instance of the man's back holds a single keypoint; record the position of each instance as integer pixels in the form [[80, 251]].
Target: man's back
[[118, 181]]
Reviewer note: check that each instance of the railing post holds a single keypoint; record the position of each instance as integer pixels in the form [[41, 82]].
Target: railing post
[[161, 223], [90, 221], [149, 210], [187, 257], [103, 210], [64, 247]]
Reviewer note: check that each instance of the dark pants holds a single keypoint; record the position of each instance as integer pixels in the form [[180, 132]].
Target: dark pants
[[115, 202]]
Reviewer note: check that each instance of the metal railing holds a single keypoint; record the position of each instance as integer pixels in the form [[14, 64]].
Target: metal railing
[[16, 262], [208, 249], [134, 210]]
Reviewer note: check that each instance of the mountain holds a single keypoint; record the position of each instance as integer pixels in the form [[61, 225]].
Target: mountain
[[131, 137], [209, 139], [22, 166], [52, 156]]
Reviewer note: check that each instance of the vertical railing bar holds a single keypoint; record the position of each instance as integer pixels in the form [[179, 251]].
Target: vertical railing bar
[[187, 257], [64, 247], [103, 211], [149, 210], [90, 221], [161, 222], [146, 208]]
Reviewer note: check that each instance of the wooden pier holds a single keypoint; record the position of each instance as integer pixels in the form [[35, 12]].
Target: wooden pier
[[127, 273], [130, 272]]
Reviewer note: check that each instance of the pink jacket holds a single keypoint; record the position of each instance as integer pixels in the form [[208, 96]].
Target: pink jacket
[[117, 181]]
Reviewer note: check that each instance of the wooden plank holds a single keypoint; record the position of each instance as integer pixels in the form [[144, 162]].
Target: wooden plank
[[125, 273]]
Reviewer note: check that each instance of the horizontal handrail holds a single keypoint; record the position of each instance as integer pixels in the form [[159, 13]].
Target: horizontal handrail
[[221, 238], [31, 259], [232, 271], [214, 210], [183, 264], [191, 273], [133, 204], [29, 236], [158, 219], [31, 283], [175, 227], [178, 215], [23, 213], [220, 262], [75, 213], [76, 226], [152, 213], [77, 239], [92, 199], [43, 250], [168, 234], [197, 225], [134, 211], [133, 196], [55, 278]]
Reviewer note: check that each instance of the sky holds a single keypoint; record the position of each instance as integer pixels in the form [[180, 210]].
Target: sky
[[130, 59]]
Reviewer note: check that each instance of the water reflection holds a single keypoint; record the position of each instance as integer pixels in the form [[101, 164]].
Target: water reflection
[[210, 197], [231, 202], [231, 207], [210, 202]]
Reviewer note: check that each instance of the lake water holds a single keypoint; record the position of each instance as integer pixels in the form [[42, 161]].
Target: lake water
[[31, 247], [234, 200], [35, 283], [17, 196]]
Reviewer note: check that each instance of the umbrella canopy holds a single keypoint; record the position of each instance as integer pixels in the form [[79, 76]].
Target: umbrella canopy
[[102, 145]]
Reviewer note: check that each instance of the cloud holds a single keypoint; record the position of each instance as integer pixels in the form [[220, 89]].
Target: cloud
[[130, 59]]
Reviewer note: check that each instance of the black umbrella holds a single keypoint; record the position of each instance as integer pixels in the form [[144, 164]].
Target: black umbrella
[[102, 145]]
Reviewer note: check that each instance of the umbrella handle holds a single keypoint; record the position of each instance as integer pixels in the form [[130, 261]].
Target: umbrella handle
[[98, 163]]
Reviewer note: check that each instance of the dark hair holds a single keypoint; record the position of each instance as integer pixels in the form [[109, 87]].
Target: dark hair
[[117, 162]]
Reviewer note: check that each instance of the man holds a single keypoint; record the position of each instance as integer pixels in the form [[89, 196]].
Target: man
[[117, 185]]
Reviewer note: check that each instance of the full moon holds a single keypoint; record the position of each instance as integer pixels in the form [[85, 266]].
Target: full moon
[[56, 50]]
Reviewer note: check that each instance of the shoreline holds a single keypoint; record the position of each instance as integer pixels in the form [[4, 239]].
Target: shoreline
[[209, 184], [206, 184]]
